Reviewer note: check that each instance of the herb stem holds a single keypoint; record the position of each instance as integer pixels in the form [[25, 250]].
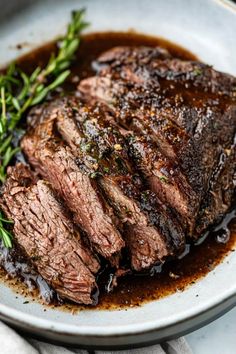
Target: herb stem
[[3, 114]]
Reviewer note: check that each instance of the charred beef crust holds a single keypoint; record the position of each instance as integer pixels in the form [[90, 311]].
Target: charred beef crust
[[131, 55], [56, 163], [184, 106], [43, 230], [151, 63], [220, 192]]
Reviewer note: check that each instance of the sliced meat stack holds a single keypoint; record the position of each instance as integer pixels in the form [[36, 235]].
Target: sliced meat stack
[[55, 162], [182, 116], [148, 228], [98, 153], [141, 159], [44, 231]]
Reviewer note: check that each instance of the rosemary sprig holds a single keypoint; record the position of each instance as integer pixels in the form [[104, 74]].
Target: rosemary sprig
[[19, 92], [5, 235]]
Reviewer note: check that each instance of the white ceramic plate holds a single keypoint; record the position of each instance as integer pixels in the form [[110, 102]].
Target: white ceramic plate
[[205, 27]]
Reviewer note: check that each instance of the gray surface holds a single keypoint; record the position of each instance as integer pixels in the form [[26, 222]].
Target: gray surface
[[11, 8], [216, 338]]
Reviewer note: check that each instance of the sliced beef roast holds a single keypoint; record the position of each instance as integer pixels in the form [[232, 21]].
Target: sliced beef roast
[[101, 151], [48, 237], [186, 108], [141, 158], [56, 163]]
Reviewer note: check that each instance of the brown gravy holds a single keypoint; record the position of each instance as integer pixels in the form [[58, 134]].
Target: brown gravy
[[134, 290]]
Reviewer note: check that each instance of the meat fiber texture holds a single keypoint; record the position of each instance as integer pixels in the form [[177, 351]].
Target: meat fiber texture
[[47, 236], [55, 162]]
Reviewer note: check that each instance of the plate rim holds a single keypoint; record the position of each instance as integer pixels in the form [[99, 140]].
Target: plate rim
[[91, 331], [174, 330]]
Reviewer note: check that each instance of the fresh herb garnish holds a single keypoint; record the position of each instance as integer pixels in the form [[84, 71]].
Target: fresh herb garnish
[[5, 235], [197, 71], [96, 174], [106, 169], [164, 179], [86, 147], [19, 92]]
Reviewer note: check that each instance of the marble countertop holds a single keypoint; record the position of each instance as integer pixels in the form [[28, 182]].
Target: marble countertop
[[219, 337]]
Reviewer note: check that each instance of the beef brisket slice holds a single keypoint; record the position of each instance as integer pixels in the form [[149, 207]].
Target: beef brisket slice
[[56, 163], [48, 237]]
